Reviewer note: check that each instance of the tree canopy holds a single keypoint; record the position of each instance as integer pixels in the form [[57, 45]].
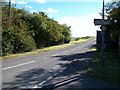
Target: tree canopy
[[113, 10], [24, 31]]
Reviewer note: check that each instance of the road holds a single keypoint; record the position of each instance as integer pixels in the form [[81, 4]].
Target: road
[[57, 68]]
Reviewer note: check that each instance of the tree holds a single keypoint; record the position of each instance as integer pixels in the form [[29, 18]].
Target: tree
[[23, 31], [16, 38], [113, 10]]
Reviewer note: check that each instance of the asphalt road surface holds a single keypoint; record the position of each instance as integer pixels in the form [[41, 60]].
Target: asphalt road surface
[[52, 69]]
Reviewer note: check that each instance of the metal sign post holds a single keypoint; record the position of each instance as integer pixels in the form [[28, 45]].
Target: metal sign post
[[102, 45], [103, 24], [102, 40], [119, 43]]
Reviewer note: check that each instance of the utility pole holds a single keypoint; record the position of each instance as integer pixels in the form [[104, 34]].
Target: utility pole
[[103, 16], [102, 39], [103, 22], [9, 8], [119, 44]]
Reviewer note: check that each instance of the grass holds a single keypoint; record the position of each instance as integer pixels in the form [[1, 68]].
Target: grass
[[109, 72], [44, 49]]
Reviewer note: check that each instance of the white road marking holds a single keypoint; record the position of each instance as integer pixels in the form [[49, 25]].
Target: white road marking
[[73, 49], [65, 81], [50, 71], [18, 65], [50, 78], [65, 52], [35, 86], [69, 62], [54, 55], [45, 57], [75, 59], [62, 69], [42, 82], [55, 74]]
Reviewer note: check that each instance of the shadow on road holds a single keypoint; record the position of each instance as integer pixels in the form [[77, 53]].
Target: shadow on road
[[76, 62], [37, 75], [28, 78]]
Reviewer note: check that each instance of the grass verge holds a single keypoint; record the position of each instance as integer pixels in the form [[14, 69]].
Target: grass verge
[[44, 49], [109, 72]]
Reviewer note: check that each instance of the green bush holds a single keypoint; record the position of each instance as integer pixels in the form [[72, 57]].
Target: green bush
[[23, 43], [16, 42], [67, 39], [7, 40]]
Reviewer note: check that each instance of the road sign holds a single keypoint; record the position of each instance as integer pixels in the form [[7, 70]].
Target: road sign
[[103, 27], [101, 22]]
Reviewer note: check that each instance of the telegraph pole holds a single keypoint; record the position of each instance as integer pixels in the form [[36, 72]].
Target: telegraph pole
[[102, 39], [103, 16], [119, 44], [9, 8], [103, 22]]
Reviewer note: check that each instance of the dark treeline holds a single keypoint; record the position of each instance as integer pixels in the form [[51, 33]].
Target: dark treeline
[[113, 30], [23, 31]]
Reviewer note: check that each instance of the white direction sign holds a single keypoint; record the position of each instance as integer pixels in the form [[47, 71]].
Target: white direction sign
[[101, 22]]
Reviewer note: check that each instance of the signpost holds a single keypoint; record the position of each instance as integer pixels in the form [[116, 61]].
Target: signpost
[[103, 22], [119, 43]]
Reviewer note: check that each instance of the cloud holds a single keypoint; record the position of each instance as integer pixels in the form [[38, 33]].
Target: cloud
[[50, 11], [18, 1], [33, 11], [81, 26], [41, 1], [21, 2], [77, 0], [28, 6], [12, 1]]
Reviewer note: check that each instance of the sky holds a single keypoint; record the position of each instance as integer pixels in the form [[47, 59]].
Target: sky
[[79, 14]]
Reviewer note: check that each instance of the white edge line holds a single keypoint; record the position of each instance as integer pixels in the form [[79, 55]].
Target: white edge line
[[18, 65], [54, 55], [65, 52], [42, 83], [39, 84], [50, 78], [45, 57]]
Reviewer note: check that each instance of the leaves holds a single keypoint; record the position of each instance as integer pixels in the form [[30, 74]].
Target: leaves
[[23, 31]]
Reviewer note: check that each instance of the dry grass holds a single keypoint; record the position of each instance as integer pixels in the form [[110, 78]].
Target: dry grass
[[109, 72]]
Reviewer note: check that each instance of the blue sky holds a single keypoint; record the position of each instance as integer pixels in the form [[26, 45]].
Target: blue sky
[[74, 9], [76, 13]]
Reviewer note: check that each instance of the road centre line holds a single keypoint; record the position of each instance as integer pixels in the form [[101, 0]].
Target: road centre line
[[73, 49], [65, 52], [45, 57], [54, 55], [18, 65]]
